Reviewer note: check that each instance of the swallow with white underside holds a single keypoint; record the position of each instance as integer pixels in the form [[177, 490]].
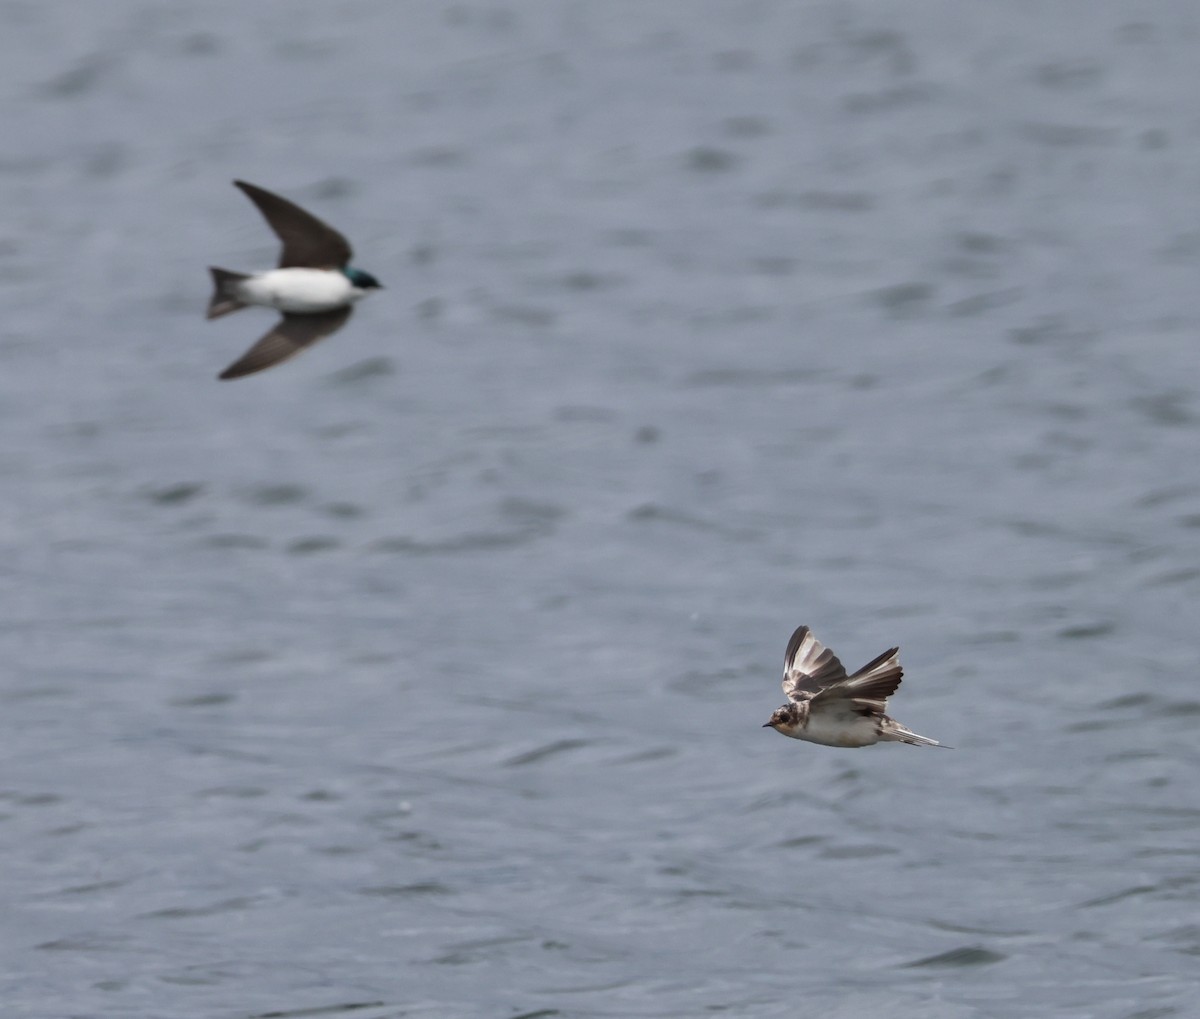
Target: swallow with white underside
[[314, 286], [827, 706]]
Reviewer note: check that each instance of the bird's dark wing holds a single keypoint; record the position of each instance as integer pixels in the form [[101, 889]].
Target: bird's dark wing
[[809, 666], [869, 688], [307, 242], [290, 335]]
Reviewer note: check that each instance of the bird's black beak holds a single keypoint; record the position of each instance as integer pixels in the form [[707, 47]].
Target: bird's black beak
[[767, 725]]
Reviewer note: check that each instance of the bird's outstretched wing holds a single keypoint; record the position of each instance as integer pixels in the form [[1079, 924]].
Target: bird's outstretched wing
[[867, 691], [307, 242], [290, 335], [809, 666]]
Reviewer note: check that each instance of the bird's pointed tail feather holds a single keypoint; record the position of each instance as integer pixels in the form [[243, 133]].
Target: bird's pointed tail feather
[[898, 734]]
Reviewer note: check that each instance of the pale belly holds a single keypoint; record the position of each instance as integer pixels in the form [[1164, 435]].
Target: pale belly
[[841, 732], [299, 290]]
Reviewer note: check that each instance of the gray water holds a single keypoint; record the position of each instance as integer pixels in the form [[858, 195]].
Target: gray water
[[424, 675]]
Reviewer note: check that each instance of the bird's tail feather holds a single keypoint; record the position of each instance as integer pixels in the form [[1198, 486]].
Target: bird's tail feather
[[224, 299], [898, 734]]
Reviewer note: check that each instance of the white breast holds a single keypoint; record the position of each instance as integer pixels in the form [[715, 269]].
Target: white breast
[[840, 730], [299, 290]]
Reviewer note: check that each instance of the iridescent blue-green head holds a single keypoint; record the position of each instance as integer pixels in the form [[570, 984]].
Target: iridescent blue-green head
[[362, 280]]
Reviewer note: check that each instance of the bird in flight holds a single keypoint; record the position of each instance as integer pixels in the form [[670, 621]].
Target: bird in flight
[[314, 285], [827, 706]]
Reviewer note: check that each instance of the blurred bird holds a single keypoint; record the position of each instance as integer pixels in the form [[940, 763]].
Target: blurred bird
[[314, 286], [828, 707]]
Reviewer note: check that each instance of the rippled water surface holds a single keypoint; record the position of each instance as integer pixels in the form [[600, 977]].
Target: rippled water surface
[[424, 675]]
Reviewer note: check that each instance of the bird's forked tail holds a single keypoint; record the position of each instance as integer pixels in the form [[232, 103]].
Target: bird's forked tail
[[894, 731], [225, 286]]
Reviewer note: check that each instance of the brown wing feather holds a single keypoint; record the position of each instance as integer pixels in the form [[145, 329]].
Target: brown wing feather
[[870, 686], [307, 241], [290, 335], [809, 666]]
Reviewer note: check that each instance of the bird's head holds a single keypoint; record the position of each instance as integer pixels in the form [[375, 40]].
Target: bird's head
[[362, 280], [784, 720]]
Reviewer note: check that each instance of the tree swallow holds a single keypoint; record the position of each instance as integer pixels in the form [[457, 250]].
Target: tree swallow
[[828, 707], [314, 286]]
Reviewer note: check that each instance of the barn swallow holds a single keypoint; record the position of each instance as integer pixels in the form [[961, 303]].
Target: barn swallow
[[828, 707]]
